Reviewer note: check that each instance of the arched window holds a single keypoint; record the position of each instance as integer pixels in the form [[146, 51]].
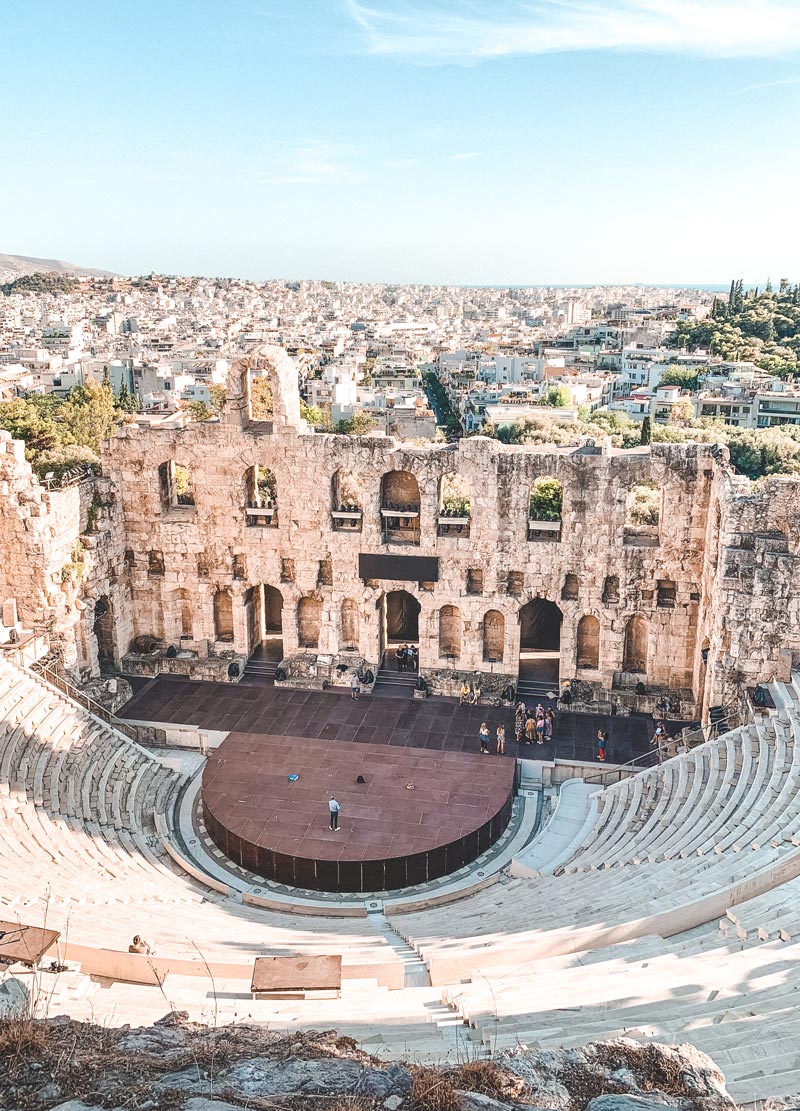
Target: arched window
[[309, 622], [545, 504], [494, 636], [175, 485], [642, 514], [455, 506], [634, 655], [261, 492], [347, 501], [223, 616], [588, 654], [350, 624], [450, 632], [400, 507]]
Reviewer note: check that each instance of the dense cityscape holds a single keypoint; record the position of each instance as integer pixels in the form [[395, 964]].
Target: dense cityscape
[[540, 364]]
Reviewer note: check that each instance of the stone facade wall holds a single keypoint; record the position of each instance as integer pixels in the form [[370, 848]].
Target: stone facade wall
[[717, 585]]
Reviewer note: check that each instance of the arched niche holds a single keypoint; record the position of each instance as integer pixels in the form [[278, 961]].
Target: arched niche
[[494, 636], [634, 653], [450, 632], [588, 642], [223, 615], [309, 622], [350, 626]]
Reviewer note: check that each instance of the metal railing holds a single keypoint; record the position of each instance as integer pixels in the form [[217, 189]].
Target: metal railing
[[658, 753], [51, 676]]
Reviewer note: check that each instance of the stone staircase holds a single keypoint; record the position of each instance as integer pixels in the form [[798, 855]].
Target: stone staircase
[[261, 669], [398, 683], [530, 690]]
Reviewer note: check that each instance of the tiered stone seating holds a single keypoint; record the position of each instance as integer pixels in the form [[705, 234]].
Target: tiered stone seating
[[668, 847], [669, 914], [79, 849]]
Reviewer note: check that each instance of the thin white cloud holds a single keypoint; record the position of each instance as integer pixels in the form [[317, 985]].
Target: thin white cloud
[[770, 84], [471, 30], [466, 156], [400, 163], [313, 162]]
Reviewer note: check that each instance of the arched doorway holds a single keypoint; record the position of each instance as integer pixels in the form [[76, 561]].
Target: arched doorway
[[264, 612], [103, 629], [539, 641], [400, 619]]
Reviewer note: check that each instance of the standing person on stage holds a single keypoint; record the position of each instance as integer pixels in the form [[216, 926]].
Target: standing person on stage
[[539, 726], [355, 687], [411, 657], [602, 741], [549, 724], [501, 739], [519, 722], [400, 656], [530, 729], [484, 736], [334, 808]]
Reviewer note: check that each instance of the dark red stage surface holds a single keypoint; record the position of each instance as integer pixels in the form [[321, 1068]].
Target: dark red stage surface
[[391, 836]]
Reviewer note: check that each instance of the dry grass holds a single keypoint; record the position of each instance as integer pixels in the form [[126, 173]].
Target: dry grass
[[487, 1078], [652, 1064], [433, 1090]]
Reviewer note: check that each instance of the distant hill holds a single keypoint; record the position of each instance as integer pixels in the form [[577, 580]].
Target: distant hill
[[16, 266]]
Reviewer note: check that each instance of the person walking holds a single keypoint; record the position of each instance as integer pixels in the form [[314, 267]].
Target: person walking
[[602, 740], [334, 808], [355, 687], [483, 733], [549, 724], [501, 740]]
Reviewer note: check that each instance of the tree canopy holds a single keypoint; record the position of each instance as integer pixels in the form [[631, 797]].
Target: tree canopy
[[763, 328]]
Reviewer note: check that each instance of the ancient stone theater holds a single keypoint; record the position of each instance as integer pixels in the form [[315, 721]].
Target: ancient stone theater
[[278, 623]]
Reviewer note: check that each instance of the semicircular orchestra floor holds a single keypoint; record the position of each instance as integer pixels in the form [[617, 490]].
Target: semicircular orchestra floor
[[418, 815]]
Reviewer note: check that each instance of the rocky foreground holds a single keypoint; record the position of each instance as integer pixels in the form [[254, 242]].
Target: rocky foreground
[[181, 1066]]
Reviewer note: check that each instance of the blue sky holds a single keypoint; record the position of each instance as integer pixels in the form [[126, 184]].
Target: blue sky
[[483, 141]]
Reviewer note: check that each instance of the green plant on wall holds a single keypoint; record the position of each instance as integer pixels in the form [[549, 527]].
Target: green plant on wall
[[546, 501]]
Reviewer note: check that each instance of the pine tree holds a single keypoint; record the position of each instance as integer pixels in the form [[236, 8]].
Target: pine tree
[[732, 295], [647, 430], [106, 378]]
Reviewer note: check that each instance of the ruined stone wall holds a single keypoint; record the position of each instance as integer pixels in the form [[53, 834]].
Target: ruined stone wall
[[754, 627], [178, 552], [716, 582]]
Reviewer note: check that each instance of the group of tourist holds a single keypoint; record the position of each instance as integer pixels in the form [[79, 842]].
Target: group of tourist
[[469, 695], [533, 725], [407, 657]]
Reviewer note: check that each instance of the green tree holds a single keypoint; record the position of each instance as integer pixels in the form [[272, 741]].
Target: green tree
[[688, 378], [89, 414], [558, 397], [358, 425], [546, 500], [647, 430], [261, 400], [128, 402]]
